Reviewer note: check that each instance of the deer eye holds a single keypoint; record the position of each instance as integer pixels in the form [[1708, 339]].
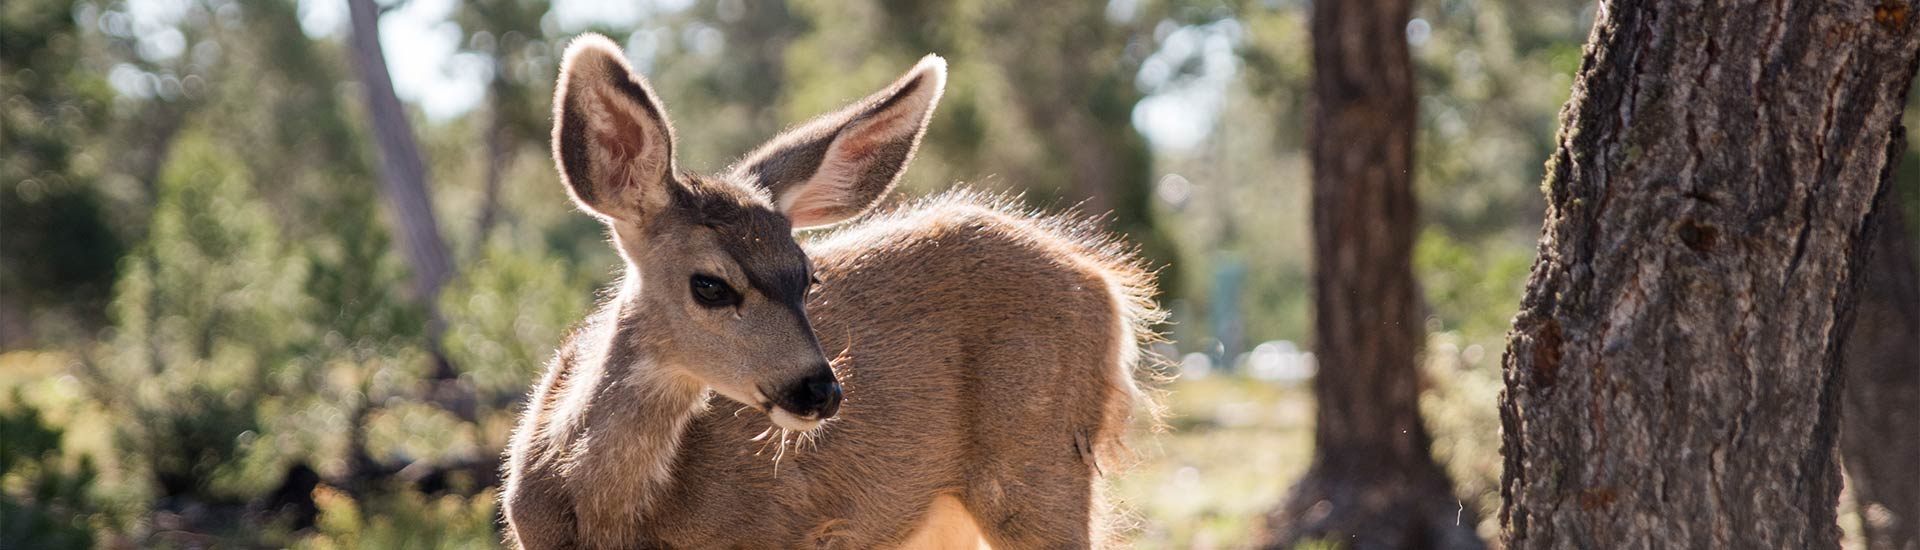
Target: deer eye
[[712, 292]]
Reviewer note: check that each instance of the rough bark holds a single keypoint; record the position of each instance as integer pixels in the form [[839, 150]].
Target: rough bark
[[403, 175], [1672, 377], [1373, 483], [1880, 437]]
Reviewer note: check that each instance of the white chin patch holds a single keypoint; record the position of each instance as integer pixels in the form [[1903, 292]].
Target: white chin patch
[[790, 421]]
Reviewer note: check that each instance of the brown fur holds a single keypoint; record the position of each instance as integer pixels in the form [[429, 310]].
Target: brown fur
[[987, 356]]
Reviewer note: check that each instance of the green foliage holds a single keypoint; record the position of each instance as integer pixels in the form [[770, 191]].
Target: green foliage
[[205, 311], [1492, 77], [405, 519], [1320, 544], [212, 249], [1471, 287], [59, 249], [507, 312], [44, 499], [58, 253]]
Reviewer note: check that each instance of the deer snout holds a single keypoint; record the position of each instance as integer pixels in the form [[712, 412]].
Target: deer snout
[[815, 397]]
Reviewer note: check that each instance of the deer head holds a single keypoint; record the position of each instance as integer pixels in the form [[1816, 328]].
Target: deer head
[[721, 283]]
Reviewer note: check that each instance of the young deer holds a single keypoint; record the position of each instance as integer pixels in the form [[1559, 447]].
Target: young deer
[[986, 354]]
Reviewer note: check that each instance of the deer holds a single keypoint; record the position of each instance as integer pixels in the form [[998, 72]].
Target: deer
[[990, 357]]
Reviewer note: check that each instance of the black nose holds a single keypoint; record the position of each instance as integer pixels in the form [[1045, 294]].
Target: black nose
[[816, 396]]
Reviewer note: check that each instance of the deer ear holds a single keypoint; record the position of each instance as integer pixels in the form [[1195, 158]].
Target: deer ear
[[838, 165], [611, 140]]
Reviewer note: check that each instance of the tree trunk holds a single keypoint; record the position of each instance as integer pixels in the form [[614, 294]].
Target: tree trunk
[[1373, 483], [1672, 377], [1880, 438], [403, 176], [403, 185]]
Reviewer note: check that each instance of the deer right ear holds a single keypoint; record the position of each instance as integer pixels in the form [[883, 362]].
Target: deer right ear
[[611, 140], [836, 166]]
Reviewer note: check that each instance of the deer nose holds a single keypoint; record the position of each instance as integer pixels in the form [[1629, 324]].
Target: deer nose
[[816, 396]]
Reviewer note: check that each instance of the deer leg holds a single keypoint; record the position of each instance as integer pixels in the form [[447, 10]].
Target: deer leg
[[1035, 503]]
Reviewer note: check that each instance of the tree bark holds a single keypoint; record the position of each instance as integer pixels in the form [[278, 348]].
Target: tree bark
[[1880, 438], [403, 187], [403, 175], [1672, 377], [1373, 483]]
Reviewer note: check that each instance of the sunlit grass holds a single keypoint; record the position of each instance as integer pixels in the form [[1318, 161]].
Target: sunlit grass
[[1234, 445], [1231, 447]]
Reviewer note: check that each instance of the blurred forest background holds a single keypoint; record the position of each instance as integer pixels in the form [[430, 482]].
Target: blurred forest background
[[212, 332]]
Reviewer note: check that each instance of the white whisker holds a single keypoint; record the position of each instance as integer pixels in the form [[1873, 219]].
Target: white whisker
[[780, 452]]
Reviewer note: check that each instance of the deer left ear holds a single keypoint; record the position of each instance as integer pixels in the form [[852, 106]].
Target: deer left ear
[[836, 166], [611, 139]]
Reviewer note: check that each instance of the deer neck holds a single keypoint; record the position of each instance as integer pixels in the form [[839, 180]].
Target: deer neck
[[635, 413]]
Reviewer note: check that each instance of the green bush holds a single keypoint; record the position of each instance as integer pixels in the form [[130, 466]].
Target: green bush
[[44, 492]]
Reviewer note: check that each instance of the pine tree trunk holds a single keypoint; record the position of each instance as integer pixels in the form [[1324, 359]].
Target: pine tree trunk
[[403, 175], [1880, 436], [1372, 483], [403, 186], [1672, 377]]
